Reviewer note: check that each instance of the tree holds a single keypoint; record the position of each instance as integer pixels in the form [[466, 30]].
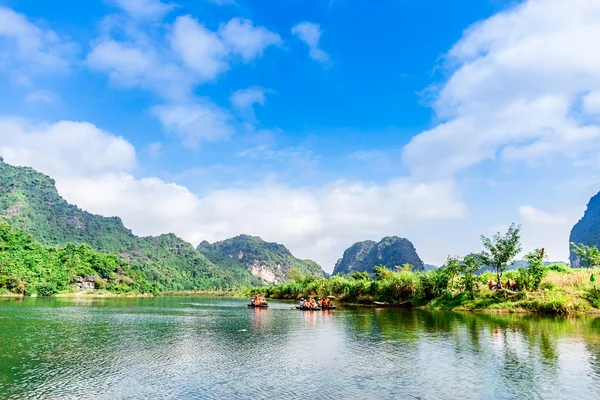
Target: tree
[[469, 280], [501, 250], [589, 255], [452, 268], [535, 270]]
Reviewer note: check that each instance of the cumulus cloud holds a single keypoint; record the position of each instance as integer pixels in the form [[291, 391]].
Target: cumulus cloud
[[173, 62], [516, 80], [64, 148], [30, 48], [94, 169], [310, 33]]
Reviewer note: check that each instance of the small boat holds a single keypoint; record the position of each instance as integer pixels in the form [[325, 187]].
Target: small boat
[[326, 303], [264, 305], [258, 301], [306, 308]]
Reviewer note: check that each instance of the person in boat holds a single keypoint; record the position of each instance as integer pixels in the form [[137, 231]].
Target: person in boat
[[301, 302], [319, 303]]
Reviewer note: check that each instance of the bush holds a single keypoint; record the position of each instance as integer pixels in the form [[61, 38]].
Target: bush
[[432, 284], [46, 289]]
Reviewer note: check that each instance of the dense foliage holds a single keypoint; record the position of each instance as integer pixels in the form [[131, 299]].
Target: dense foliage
[[28, 267], [390, 252]]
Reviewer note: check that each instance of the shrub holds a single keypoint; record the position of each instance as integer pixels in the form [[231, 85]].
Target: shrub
[[46, 289]]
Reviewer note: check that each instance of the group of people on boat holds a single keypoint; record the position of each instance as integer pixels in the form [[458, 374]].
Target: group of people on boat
[[258, 301], [320, 303]]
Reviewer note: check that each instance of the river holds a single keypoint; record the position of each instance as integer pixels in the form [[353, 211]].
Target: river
[[217, 348]]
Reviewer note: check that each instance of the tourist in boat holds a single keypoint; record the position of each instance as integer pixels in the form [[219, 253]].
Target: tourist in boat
[[301, 302]]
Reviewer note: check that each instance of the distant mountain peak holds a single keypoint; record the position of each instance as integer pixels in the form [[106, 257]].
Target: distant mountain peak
[[267, 261], [390, 251]]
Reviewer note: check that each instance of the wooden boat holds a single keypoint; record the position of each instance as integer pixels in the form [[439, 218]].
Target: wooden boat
[[328, 307], [304, 308], [258, 302], [263, 305]]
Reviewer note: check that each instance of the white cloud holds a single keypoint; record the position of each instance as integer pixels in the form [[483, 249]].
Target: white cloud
[[64, 148], [188, 55], [41, 96], [591, 103], [549, 230], [126, 64], [200, 49], [195, 123], [243, 100], [145, 9], [517, 78], [310, 33], [29, 48], [241, 37], [93, 168]]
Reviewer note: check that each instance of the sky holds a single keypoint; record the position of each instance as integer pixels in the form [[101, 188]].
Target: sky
[[311, 123]]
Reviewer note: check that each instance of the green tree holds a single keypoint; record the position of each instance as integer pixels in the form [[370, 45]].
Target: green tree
[[500, 250], [535, 270], [469, 280], [382, 273], [452, 267], [589, 255], [360, 275]]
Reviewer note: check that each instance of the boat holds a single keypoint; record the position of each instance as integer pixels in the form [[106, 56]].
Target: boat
[[258, 301], [326, 304], [306, 308]]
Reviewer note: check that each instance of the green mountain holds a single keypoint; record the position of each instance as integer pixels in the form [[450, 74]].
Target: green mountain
[[587, 229], [29, 202], [390, 252], [267, 262]]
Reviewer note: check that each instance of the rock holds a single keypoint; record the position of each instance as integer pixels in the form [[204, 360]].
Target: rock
[[390, 252], [587, 229]]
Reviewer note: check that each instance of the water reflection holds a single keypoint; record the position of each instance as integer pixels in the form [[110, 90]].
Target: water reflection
[[218, 348]]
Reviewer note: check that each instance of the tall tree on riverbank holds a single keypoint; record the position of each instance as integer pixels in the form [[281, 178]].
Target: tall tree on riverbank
[[501, 249]]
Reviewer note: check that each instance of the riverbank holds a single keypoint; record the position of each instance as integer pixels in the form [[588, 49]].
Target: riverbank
[[562, 291]]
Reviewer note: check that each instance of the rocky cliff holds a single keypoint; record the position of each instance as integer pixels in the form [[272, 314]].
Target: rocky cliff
[[587, 229], [390, 252]]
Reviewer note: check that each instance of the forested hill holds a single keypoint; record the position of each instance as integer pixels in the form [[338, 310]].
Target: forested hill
[[30, 202], [391, 252], [270, 262]]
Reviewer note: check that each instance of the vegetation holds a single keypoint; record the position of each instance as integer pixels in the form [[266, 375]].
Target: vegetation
[[541, 288], [28, 267], [500, 250]]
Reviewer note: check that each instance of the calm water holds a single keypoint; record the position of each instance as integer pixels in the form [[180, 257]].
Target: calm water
[[189, 347]]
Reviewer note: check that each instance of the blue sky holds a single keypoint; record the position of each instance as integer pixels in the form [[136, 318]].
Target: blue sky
[[311, 123]]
